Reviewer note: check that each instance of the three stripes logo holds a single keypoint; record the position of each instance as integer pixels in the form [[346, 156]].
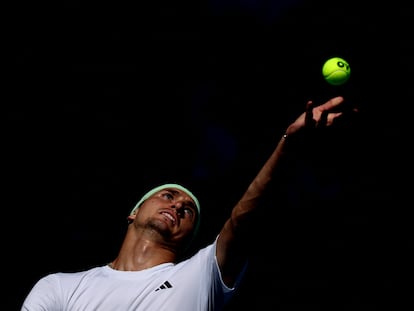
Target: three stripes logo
[[164, 285]]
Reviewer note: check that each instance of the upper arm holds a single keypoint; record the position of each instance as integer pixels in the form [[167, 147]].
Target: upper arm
[[231, 252], [42, 295]]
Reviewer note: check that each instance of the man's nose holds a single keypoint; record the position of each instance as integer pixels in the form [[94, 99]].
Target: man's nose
[[178, 208], [177, 205]]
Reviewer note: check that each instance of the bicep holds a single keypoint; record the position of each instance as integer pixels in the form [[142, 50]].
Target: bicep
[[231, 253]]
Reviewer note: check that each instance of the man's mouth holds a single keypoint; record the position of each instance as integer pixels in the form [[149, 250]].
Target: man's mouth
[[169, 216]]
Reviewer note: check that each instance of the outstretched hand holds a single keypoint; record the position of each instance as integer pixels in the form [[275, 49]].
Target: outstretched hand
[[320, 116]]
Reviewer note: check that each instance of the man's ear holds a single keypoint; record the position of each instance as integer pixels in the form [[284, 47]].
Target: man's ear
[[131, 217]]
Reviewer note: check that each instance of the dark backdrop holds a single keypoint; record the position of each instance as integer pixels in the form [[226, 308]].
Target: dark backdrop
[[107, 100]]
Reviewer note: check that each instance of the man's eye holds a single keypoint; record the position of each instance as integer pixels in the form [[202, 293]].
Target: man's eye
[[189, 211], [168, 195]]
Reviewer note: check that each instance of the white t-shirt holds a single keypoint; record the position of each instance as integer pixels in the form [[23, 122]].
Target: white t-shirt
[[191, 285]]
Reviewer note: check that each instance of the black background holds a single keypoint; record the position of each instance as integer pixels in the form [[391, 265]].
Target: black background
[[106, 100]]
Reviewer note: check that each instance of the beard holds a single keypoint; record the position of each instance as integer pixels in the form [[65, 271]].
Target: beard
[[159, 227]]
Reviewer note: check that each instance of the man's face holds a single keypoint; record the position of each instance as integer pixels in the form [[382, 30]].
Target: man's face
[[170, 212]]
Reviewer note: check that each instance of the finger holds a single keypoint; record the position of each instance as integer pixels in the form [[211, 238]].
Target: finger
[[323, 120], [309, 114], [332, 103]]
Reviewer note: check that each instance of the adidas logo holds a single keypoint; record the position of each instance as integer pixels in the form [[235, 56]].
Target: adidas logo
[[164, 285]]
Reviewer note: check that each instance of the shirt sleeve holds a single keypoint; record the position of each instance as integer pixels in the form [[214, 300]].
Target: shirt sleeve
[[43, 295]]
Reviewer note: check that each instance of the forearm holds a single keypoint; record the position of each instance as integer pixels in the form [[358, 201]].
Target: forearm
[[232, 246], [255, 192]]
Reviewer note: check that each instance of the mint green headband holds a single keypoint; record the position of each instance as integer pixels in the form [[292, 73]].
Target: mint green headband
[[175, 186]]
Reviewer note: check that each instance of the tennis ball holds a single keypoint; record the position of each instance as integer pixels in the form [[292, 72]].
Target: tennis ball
[[336, 71]]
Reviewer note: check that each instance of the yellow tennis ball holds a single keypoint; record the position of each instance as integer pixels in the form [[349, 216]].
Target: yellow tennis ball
[[336, 71]]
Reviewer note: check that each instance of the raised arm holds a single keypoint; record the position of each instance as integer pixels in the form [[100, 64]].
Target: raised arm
[[232, 246]]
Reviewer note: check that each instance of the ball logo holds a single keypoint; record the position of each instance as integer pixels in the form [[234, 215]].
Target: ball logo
[[341, 64]]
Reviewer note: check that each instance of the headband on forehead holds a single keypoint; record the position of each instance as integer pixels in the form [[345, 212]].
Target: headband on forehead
[[175, 186]]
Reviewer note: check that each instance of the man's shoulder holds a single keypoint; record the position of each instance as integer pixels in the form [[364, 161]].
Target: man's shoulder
[[73, 274]]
